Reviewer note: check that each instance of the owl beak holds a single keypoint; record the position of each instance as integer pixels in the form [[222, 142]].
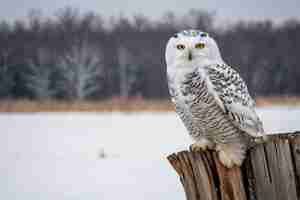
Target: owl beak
[[190, 57]]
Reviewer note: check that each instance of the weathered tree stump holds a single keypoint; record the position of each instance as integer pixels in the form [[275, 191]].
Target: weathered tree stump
[[270, 171]]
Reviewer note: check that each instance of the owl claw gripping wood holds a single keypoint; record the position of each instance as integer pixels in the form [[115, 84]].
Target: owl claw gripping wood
[[210, 97]]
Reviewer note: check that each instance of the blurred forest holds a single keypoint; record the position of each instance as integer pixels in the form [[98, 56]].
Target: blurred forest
[[82, 56]]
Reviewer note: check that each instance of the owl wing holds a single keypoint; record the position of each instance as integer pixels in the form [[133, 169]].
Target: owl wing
[[231, 94]]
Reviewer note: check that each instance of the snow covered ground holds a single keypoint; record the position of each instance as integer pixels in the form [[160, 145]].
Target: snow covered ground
[[56, 156]]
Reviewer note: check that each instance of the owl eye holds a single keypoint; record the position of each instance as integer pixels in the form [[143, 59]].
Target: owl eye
[[180, 46], [199, 45], [204, 34]]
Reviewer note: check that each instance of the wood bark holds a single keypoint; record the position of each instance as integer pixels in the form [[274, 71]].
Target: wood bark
[[270, 171]]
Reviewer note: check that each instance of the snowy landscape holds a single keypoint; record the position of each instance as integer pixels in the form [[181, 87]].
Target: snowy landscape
[[107, 156]]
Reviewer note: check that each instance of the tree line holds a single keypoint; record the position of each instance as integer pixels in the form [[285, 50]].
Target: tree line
[[82, 56]]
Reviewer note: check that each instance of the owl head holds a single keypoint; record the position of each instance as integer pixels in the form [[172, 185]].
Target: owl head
[[190, 47]]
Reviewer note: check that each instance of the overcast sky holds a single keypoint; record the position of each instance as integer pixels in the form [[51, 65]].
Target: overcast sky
[[277, 10]]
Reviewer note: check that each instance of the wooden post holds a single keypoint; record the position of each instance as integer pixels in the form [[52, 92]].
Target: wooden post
[[270, 171]]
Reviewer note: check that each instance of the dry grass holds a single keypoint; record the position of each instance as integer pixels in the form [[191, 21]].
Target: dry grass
[[131, 105], [115, 104], [278, 100]]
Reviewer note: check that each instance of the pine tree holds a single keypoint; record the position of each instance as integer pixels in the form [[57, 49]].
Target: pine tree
[[38, 76]]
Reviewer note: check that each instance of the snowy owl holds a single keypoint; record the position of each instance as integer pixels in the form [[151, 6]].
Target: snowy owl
[[210, 97]]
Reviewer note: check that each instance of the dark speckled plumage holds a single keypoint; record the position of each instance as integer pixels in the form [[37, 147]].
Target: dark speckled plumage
[[201, 113]]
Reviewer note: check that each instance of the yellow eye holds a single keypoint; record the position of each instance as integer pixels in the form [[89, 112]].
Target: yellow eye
[[180, 46], [199, 45]]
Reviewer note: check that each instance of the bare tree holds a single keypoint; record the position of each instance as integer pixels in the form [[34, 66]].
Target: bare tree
[[81, 71], [128, 72]]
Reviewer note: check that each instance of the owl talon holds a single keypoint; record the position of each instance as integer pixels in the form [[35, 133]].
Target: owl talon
[[202, 145], [231, 155], [262, 139]]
